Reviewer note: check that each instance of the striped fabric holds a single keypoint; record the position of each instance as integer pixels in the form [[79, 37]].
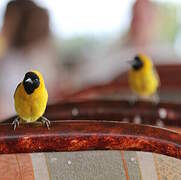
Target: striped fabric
[[89, 165]]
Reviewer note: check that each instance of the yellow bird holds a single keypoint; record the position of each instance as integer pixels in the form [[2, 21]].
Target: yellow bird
[[143, 78], [30, 99]]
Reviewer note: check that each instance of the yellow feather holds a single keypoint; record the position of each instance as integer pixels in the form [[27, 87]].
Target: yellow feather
[[144, 81], [30, 107]]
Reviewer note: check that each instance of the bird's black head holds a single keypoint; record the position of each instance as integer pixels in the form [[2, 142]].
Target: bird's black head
[[31, 82], [137, 63]]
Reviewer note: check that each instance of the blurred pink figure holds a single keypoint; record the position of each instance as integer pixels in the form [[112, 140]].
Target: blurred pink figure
[[143, 23], [29, 46]]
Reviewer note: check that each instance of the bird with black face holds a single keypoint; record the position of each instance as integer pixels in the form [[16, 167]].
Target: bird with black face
[[30, 99], [143, 78]]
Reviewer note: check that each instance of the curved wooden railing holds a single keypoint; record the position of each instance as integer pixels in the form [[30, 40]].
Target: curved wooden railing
[[88, 135]]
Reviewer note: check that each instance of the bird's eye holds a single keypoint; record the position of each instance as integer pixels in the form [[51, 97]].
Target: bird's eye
[[36, 83]]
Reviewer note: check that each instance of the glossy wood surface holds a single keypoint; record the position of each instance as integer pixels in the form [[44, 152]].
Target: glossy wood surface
[[88, 135]]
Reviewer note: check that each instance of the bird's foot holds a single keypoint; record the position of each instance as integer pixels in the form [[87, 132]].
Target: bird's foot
[[46, 122], [15, 123]]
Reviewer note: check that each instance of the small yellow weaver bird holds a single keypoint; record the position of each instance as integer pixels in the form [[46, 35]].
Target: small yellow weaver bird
[[30, 99], [143, 78]]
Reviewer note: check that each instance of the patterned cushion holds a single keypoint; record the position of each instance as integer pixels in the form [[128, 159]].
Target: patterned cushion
[[89, 165]]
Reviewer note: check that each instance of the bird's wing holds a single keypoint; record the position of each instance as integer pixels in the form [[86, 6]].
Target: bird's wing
[[16, 89]]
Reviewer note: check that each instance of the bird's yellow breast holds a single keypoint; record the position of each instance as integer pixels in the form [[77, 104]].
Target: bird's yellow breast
[[144, 82], [30, 107]]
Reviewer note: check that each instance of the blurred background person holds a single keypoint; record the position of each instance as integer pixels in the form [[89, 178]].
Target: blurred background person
[[153, 29], [26, 44], [143, 23]]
